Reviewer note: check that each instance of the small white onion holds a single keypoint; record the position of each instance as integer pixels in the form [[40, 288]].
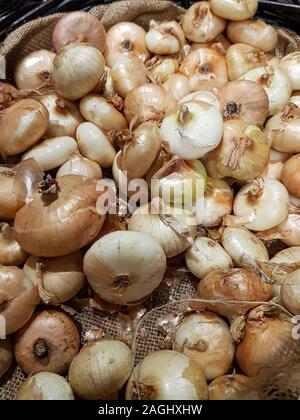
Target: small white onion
[[206, 256], [218, 202], [291, 64], [99, 111], [167, 375], [263, 203], [64, 116], [193, 130], [276, 84], [234, 9], [177, 85], [100, 369], [127, 73], [206, 338], [290, 292], [240, 243], [147, 221], [34, 70], [125, 267], [78, 165], [52, 153], [276, 164], [164, 37], [94, 144], [77, 69], [45, 386]]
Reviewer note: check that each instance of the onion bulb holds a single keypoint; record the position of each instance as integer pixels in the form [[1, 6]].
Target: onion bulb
[[140, 149], [65, 217], [100, 369], [200, 24], [254, 32], [77, 69], [127, 73], [94, 144], [48, 343], [206, 256], [64, 116], [290, 292], [276, 84], [295, 99], [290, 175], [78, 165], [45, 386], [261, 204], [192, 130], [291, 64], [230, 387], [22, 125], [102, 113], [167, 375], [16, 186], [79, 26], [218, 202], [58, 279], [147, 102], [125, 38], [245, 100], [177, 85], [289, 229], [284, 129], [33, 71], [10, 251], [206, 339], [243, 153], [234, 9], [241, 58], [204, 96], [180, 182], [276, 164], [18, 298], [52, 153], [6, 355], [241, 244], [205, 68], [265, 339], [125, 267], [164, 38], [162, 68], [150, 222], [234, 285]]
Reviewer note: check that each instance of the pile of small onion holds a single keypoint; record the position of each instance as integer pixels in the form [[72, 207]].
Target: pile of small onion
[[201, 106]]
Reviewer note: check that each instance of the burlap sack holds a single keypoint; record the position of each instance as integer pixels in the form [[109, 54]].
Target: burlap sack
[[37, 34]]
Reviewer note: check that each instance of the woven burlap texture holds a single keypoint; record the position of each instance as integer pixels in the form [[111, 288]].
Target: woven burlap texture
[[36, 35]]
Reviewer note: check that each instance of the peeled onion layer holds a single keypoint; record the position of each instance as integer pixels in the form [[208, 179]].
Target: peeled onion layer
[[64, 222], [125, 267]]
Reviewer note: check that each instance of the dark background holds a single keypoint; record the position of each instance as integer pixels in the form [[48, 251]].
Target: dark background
[[14, 13]]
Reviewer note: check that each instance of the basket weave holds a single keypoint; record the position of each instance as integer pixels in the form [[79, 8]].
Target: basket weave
[[37, 34]]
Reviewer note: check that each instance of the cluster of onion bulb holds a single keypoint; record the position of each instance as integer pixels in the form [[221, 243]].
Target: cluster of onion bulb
[[200, 108]]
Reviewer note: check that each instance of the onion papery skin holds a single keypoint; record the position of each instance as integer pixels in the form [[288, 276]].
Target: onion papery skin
[[45, 386], [231, 387], [290, 175], [206, 338], [265, 340], [235, 10], [290, 292], [63, 225], [125, 267], [18, 298], [23, 124], [243, 153], [235, 284], [152, 377]]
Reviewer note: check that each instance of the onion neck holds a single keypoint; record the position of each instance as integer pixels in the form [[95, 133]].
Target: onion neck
[[40, 348]]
